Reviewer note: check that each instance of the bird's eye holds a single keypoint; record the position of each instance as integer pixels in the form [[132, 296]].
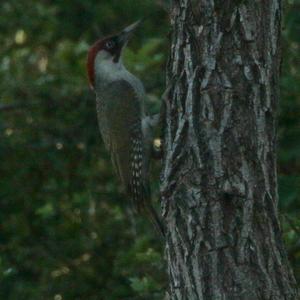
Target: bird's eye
[[109, 44]]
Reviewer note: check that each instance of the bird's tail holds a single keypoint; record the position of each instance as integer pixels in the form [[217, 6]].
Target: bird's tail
[[142, 202], [154, 219]]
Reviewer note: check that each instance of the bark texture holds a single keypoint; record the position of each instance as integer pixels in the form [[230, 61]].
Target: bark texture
[[219, 185]]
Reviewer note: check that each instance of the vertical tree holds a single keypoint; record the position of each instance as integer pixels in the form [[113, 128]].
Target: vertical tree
[[219, 185]]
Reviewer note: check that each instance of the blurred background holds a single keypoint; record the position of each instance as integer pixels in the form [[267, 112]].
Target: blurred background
[[65, 230]]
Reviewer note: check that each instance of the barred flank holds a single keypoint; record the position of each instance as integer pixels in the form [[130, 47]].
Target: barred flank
[[139, 188], [137, 184]]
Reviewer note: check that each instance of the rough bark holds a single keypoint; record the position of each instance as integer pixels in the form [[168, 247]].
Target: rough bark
[[219, 184]]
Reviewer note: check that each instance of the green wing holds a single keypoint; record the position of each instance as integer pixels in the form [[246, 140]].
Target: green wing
[[121, 128]]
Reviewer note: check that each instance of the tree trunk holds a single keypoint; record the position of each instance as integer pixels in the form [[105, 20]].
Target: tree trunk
[[219, 184]]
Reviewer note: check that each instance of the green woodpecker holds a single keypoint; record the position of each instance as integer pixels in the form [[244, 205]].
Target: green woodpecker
[[124, 126]]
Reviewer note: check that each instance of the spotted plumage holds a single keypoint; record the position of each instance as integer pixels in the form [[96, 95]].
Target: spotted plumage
[[120, 111]]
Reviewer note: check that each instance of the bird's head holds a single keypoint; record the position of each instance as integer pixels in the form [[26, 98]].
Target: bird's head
[[105, 55]]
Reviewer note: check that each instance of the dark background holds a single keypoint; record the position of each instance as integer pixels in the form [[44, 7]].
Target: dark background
[[66, 231]]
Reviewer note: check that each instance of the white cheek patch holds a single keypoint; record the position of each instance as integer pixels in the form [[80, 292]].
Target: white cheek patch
[[103, 55], [106, 68]]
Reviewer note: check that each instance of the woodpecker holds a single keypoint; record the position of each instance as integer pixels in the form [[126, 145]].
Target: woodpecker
[[124, 126]]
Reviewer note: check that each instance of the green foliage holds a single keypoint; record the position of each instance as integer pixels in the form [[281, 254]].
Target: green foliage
[[66, 231], [289, 133]]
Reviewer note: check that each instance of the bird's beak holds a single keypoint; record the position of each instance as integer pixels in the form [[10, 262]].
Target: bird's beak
[[125, 34]]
